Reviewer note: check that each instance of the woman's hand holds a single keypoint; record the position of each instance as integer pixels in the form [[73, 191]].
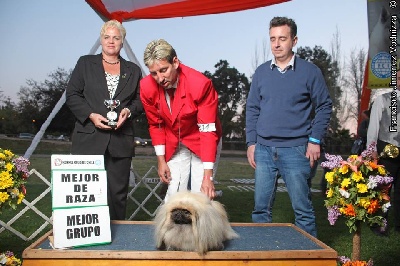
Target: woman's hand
[[99, 121]]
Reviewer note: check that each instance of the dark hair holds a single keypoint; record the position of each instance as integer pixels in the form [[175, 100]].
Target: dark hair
[[281, 21]]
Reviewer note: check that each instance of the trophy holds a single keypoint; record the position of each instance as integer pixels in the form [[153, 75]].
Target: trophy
[[390, 151], [112, 115]]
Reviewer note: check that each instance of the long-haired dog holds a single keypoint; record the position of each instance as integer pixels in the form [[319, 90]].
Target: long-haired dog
[[192, 222]]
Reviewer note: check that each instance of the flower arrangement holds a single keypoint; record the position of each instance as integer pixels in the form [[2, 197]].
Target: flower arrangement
[[13, 175], [347, 262], [8, 259], [357, 189]]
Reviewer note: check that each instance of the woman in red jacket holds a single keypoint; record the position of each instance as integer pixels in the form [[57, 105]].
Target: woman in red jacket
[[181, 106]]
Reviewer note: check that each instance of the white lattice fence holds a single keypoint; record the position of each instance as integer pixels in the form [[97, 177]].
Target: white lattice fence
[[29, 206], [149, 184]]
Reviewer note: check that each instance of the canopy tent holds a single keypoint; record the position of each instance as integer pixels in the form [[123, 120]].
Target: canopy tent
[[128, 10]]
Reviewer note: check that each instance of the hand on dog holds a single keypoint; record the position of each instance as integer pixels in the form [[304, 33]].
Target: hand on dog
[[207, 187]]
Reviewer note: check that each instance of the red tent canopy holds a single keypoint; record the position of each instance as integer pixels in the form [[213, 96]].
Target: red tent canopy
[[125, 10]]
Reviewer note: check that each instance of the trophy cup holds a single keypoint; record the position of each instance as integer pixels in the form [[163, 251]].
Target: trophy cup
[[390, 151], [112, 115]]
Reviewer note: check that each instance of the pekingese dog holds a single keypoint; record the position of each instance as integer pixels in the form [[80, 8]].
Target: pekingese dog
[[192, 222]]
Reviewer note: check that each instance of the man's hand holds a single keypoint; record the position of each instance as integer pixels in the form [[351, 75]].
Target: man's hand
[[207, 187], [250, 155], [163, 170], [313, 153]]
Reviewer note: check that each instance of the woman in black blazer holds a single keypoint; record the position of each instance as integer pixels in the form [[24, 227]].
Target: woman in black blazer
[[97, 82]]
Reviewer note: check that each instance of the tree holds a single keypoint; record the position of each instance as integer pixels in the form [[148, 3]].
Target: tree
[[8, 117], [232, 88], [353, 81], [38, 99]]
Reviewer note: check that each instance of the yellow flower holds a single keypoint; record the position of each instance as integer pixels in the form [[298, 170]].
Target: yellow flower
[[381, 170], [3, 197], [329, 177], [8, 153], [357, 176], [362, 188], [20, 198], [344, 169], [353, 157], [364, 203], [5, 180], [13, 175], [346, 182], [329, 194], [9, 167]]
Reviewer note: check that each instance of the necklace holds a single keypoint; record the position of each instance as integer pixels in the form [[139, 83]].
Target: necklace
[[111, 63]]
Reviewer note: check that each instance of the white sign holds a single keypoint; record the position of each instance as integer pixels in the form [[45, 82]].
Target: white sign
[[78, 188], [81, 227], [67, 161]]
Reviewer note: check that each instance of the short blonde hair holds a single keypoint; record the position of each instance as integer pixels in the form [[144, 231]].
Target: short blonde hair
[[158, 50], [113, 24]]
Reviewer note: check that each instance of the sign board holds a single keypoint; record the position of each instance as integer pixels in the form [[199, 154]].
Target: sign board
[[78, 188], [70, 162], [76, 227]]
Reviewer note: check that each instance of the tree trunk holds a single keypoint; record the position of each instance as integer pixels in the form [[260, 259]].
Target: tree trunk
[[357, 243]]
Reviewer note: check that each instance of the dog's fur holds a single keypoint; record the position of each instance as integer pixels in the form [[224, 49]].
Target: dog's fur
[[191, 222]]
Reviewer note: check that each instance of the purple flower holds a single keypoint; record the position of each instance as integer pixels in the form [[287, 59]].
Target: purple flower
[[9, 253], [376, 180], [333, 214], [22, 164], [368, 152], [383, 227], [333, 161], [343, 259]]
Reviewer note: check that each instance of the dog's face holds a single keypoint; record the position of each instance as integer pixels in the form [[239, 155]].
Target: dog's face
[[191, 222], [181, 216]]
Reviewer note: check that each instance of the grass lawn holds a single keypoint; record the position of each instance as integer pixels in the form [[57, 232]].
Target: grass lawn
[[238, 203]]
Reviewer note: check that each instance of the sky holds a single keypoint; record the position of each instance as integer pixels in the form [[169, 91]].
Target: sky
[[42, 35]]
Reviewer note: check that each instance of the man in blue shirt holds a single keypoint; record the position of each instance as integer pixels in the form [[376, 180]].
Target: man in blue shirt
[[287, 113]]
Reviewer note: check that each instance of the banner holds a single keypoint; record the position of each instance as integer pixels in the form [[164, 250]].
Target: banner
[[79, 201], [384, 50], [78, 188]]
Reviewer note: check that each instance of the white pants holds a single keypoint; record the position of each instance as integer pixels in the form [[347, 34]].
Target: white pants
[[184, 166]]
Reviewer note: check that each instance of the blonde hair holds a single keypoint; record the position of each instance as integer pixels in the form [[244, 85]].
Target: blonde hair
[[158, 50], [113, 24]]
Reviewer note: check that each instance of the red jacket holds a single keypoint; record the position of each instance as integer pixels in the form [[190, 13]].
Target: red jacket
[[195, 102]]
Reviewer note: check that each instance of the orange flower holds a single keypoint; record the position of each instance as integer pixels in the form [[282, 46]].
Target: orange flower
[[349, 210], [373, 207], [373, 164]]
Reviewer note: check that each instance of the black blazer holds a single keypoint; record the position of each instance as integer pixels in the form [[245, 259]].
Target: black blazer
[[85, 94]]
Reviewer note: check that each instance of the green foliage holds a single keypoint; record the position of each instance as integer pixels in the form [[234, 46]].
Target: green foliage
[[232, 88]]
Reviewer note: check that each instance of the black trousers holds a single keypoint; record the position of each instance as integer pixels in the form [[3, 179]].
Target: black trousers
[[392, 165], [118, 172]]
